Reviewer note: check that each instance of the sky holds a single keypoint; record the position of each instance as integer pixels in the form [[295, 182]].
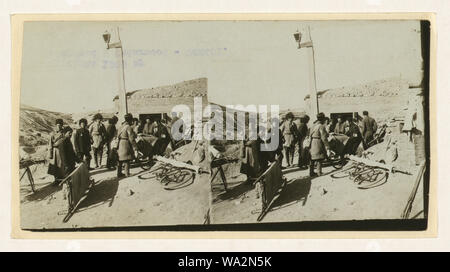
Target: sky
[[67, 68]]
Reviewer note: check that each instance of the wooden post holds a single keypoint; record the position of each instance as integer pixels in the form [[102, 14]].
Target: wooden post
[[314, 102], [122, 93], [122, 89], [419, 175], [312, 77]]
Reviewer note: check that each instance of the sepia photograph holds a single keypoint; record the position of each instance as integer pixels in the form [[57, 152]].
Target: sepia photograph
[[352, 125], [224, 125]]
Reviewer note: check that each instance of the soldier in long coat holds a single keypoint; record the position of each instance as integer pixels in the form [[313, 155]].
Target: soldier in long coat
[[111, 133], [320, 148], [56, 166], [163, 135], [302, 133], [67, 152], [355, 137], [250, 158], [266, 157], [98, 135], [82, 143], [127, 145]]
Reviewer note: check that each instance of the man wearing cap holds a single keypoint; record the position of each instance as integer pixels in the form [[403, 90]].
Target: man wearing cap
[[320, 148], [289, 132], [369, 127], [82, 143], [127, 144], [98, 134]]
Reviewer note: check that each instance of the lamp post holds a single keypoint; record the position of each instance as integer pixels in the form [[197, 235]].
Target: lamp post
[[123, 107], [312, 69]]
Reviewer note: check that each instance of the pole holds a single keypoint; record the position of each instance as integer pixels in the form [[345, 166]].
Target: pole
[[123, 106], [312, 78]]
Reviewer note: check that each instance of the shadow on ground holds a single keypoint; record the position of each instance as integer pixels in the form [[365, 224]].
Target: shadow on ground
[[43, 192], [102, 192], [293, 192], [235, 192]]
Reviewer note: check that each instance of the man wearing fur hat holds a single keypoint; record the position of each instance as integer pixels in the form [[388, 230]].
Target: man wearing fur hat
[[82, 143]]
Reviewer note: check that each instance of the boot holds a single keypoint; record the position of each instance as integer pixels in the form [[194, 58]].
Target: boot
[[119, 170], [127, 169], [292, 155], [319, 168], [95, 159], [88, 163], [100, 159], [311, 170], [288, 160]]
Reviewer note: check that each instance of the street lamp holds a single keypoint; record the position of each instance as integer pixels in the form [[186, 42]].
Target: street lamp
[[123, 107], [312, 68], [107, 37], [298, 38]]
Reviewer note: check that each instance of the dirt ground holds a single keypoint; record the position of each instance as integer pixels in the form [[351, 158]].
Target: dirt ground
[[319, 199], [139, 200]]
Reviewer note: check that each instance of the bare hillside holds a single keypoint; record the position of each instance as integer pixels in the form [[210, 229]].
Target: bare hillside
[[188, 88], [36, 124], [384, 87]]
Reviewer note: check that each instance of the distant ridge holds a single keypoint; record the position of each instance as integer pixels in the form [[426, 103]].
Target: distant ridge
[[384, 87], [188, 88]]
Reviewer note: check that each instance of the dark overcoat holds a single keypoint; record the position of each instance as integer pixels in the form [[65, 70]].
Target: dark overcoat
[[68, 156], [250, 158], [111, 132], [82, 141]]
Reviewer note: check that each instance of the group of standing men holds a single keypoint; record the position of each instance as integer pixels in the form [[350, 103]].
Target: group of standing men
[[313, 144], [67, 149]]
